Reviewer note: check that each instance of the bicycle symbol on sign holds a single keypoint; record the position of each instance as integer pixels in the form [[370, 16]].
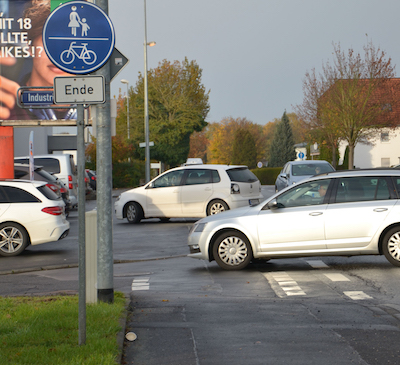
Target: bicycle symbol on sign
[[86, 55]]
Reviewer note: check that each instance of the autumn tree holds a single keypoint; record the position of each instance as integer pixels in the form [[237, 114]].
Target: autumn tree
[[221, 136], [199, 145], [282, 146], [178, 106], [351, 99], [244, 150]]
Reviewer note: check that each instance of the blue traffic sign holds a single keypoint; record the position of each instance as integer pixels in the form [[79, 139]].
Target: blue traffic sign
[[78, 37], [40, 97]]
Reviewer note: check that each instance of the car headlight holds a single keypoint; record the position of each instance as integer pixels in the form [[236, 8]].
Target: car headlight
[[197, 227]]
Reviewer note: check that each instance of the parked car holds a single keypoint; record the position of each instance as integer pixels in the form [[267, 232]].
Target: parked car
[[190, 191], [30, 214], [295, 171], [343, 213], [92, 178], [21, 171], [61, 166]]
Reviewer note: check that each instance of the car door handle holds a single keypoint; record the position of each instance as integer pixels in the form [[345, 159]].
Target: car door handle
[[207, 189], [314, 214], [380, 210]]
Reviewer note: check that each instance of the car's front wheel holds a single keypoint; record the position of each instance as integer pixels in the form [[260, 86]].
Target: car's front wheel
[[391, 246], [216, 206], [134, 213], [13, 239], [232, 251]]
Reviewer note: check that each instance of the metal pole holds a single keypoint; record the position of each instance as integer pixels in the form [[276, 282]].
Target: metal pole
[[81, 222], [127, 108], [105, 258], [146, 103]]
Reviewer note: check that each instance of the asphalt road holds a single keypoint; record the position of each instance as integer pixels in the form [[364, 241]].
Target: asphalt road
[[326, 310]]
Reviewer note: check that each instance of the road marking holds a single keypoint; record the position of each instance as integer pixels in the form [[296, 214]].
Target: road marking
[[337, 277], [357, 295], [141, 284], [317, 264], [286, 283]]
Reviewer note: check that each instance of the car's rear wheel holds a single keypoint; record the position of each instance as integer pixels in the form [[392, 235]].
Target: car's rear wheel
[[134, 213], [216, 206], [232, 251], [13, 239], [391, 246]]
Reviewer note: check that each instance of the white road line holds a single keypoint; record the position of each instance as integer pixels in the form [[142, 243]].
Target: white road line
[[286, 283], [357, 295], [317, 264], [337, 277], [140, 284]]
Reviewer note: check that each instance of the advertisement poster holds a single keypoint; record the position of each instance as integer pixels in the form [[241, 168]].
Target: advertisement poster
[[23, 61]]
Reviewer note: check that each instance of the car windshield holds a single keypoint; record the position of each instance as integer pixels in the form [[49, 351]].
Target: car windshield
[[310, 169], [241, 174]]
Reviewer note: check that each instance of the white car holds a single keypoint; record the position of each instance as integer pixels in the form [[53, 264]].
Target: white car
[[30, 214], [190, 191], [344, 213]]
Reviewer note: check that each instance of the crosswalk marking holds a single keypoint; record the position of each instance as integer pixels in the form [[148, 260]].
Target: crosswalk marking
[[141, 283], [337, 277], [286, 283], [317, 264], [357, 295]]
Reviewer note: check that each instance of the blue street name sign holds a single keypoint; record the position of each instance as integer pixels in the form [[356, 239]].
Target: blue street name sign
[[37, 97], [78, 37]]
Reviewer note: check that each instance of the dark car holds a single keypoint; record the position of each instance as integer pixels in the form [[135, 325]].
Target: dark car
[[21, 171], [92, 178]]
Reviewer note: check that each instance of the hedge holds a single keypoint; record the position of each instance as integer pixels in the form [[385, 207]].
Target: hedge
[[267, 175]]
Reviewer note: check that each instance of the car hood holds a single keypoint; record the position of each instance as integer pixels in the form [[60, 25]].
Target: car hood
[[228, 214]]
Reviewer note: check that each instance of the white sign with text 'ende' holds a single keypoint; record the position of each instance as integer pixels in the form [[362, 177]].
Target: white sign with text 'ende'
[[79, 90]]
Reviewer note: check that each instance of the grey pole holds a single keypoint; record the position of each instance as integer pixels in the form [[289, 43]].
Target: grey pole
[[127, 105], [105, 258], [81, 224], [146, 103]]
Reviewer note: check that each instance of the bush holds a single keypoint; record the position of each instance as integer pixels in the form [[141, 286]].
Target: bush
[[127, 174], [267, 175]]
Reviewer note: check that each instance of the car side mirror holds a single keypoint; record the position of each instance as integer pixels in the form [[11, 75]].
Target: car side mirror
[[272, 204], [284, 176]]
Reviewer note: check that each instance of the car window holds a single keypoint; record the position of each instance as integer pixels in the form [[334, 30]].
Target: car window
[[310, 169], [172, 178], [11, 194], [215, 176], [353, 189], [48, 193], [51, 165], [311, 193], [198, 176], [241, 174]]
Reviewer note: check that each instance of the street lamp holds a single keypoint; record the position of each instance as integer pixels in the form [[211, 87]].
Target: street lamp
[[127, 104], [146, 100]]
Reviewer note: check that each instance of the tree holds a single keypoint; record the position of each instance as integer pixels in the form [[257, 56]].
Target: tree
[[221, 136], [199, 145], [351, 99], [178, 106], [244, 151], [282, 147]]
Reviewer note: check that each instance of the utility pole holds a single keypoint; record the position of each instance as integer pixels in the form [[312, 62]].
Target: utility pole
[[105, 258]]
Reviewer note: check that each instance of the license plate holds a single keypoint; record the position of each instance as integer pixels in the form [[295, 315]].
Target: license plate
[[254, 201]]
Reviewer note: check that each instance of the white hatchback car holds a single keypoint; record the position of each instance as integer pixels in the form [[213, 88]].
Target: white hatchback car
[[343, 213], [30, 213], [190, 191]]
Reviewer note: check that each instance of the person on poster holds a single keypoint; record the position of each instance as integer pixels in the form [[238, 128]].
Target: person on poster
[[42, 72]]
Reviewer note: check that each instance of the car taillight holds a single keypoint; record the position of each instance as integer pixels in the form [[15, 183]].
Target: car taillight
[[86, 180], [53, 187], [63, 190], [53, 210], [93, 177], [70, 184]]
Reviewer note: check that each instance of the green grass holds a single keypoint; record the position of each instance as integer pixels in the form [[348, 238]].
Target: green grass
[[44, 330]]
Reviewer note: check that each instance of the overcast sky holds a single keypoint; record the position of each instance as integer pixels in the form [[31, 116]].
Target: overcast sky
[[253, 53]]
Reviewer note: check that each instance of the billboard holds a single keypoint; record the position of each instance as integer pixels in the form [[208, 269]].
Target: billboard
[[23, 61]]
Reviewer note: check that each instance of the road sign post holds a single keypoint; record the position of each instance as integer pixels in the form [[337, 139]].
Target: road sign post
[[78, 37]]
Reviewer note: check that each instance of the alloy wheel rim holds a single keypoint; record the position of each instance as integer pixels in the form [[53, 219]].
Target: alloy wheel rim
[[131, 213], [217, 208], [10, 239]]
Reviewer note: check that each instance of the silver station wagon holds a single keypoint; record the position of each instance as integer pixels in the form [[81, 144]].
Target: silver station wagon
[[334, 214]]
